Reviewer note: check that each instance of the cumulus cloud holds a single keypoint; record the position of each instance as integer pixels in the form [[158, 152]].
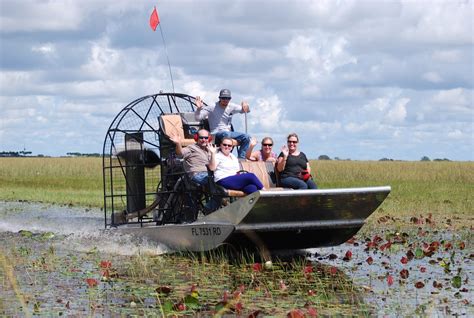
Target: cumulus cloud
[[352, 78], [398, 112]]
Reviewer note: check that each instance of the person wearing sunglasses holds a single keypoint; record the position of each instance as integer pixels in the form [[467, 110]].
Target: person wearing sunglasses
[[220, 119], [264, 154], [293, 166], [195, 159], [226, 167]]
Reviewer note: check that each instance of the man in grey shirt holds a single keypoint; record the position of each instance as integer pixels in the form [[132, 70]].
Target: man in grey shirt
[[220, 119]]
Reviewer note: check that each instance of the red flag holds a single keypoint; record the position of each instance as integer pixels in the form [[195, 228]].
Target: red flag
[[154, 19]]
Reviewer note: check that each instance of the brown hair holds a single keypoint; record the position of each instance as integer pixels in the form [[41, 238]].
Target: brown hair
[[293, 135], [227, 138], [267, 138]]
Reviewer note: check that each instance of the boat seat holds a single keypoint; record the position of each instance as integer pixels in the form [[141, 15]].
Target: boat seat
[[172, 125], [265, 172]]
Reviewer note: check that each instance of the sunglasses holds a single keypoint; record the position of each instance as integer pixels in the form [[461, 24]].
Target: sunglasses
[[225, 98], [267, 145], [226, 145], [203, 137], [292, 141]]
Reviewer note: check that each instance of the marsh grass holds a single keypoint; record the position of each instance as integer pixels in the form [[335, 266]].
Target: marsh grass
[[243, 287], [157, 285], [52, 280], [440, 188], [444, 189], [76, 181]]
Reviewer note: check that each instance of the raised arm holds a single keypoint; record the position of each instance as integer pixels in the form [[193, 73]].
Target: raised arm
[[249, 153], [200, 113], [212, 162], [177, 141], [282, 160]]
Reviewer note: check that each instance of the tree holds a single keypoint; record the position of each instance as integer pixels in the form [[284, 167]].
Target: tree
[[425, 158], [324, 157]]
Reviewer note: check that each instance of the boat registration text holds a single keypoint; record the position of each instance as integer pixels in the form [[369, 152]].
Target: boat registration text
[[206, 231]]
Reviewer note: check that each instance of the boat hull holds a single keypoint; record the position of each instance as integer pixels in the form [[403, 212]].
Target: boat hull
[[273, 220], [298, 219]]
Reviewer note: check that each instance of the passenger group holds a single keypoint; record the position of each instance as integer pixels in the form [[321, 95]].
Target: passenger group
[[291, 164]]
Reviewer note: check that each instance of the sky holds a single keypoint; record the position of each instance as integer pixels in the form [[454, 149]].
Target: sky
[[360, 80]]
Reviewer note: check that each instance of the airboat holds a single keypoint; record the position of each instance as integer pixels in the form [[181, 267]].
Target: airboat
[[148, 195]]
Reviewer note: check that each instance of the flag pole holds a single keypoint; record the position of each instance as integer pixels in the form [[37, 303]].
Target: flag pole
[[167, 58]]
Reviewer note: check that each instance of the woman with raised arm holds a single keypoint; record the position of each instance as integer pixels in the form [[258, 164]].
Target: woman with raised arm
[[226, 167], [293, 166], [264, 154]]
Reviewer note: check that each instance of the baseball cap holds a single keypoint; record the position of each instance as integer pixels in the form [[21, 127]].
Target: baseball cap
[[224, 93]]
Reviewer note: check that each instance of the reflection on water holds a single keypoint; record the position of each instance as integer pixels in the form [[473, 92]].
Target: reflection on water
[[83, 228]]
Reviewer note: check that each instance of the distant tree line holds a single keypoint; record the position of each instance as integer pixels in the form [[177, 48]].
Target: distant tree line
[[22, 153], [424, 158], [80, 154]]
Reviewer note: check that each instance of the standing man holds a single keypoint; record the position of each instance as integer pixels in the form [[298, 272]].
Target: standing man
[[220, 119]]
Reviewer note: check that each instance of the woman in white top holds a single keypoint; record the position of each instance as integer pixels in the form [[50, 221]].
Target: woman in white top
[[225, 166]]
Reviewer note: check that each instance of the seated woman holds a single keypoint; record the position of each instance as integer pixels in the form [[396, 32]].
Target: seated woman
[[293, 166], [225, 166], [264, 154]]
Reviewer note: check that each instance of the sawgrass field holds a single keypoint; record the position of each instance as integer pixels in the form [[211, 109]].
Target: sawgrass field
[[445, 188]]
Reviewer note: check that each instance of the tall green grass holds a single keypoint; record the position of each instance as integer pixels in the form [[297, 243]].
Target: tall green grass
[[439, 188], [76, 181], [417, 187]]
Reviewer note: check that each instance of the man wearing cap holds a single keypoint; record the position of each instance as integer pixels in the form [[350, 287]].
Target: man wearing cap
[[220, 119]]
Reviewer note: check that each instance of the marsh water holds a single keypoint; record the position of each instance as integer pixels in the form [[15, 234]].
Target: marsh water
[[438, 283]]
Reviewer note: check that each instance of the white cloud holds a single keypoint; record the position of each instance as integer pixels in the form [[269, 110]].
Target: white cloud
[[351, 77], [455, 96], [432, 77], [102, 60], [443, 22], [455, 134], [447, 56], [320, 52], [270, 109], [398, 112], [47, 49], [379, 104], [41, 16]]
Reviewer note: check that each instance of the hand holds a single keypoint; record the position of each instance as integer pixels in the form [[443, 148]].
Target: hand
[[198, 102], [176, 139], [245, 107], [253, 142], [285, 150], [212, 148]]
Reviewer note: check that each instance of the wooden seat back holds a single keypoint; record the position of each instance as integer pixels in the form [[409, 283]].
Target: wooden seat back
[[172, 125], [264, 171]]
